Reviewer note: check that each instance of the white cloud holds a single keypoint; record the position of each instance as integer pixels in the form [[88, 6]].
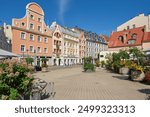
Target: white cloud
[[63, 6]]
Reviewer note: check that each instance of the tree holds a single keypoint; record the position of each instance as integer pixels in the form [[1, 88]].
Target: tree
[[29, 60], [137, 55]]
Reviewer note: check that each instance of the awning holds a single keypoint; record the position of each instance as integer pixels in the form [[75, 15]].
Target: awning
[[4, 53], [147, 53], [148, 49]]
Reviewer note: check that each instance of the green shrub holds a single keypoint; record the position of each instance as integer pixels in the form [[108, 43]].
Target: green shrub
[[102, 63], [89, 66], [97, 63], [29, 60], [15, 80]]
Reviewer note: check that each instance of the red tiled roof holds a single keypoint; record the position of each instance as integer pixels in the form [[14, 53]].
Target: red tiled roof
[[127, 35], [146, 37]]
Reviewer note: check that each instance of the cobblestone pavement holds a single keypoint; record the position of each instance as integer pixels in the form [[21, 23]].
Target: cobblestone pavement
[[73, 84]]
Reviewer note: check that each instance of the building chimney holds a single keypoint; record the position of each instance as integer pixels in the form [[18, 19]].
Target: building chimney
[[4, 25], [141, 15]]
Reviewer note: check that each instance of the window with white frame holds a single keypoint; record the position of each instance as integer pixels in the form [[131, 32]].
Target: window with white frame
[[39, 20], [39, 28], [39, 50], [39, 38], [31, 26], [45, 50], [22, 48], [23, 35], [45, 40], [31, 37], [31, 49]]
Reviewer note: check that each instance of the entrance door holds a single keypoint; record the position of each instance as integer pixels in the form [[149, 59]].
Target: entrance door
[[38, 62], [59, 62], [55, 62]]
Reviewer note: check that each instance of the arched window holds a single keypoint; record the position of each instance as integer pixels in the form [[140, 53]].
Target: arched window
[[121, 39], [57, 35]]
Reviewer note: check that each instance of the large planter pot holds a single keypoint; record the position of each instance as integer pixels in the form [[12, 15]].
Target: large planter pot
[[117, 69], [44, 69], [120, 70], [137, 76], [147, 78], [125, 71]]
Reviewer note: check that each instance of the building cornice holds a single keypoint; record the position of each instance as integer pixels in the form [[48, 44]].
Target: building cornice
[[30, 31], [146, 41], [126, 46]]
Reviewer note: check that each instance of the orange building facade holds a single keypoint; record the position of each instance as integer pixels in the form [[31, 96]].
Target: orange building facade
[[30, 35]]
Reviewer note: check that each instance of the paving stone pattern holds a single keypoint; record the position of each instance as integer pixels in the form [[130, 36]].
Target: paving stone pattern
[[73, 84]]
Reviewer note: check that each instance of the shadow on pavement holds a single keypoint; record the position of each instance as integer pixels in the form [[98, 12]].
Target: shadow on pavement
[[147, 92], [49, 96], [121, 77]]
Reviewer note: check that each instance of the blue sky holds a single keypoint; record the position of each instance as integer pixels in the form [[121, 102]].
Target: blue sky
[[100, 16]]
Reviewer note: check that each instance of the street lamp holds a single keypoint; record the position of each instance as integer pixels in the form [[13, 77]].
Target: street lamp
[[34, 57], [27, 53]]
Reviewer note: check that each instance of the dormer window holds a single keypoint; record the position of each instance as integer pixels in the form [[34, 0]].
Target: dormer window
[[134, 36], [131, 41], [121, 39]]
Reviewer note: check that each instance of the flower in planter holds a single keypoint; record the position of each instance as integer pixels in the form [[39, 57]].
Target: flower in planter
[[137, 73]]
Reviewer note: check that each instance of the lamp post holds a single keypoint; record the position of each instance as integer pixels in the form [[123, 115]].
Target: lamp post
[[27, 56], [27, 53], [23, 55], [34, 57]]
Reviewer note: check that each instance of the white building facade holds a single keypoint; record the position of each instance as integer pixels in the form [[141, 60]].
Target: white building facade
[[66, 52], [4, 43], [138, 21]]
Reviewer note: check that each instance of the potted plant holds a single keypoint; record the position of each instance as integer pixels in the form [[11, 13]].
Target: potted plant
[[97, 63], [125, 67], [116, 62], [44, 65], [138, 73], [147, 75], [124, 59], [88, 65], [102, 64], [29, 62]]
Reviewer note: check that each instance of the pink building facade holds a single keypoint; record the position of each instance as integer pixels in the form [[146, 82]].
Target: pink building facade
[[30, 35]]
